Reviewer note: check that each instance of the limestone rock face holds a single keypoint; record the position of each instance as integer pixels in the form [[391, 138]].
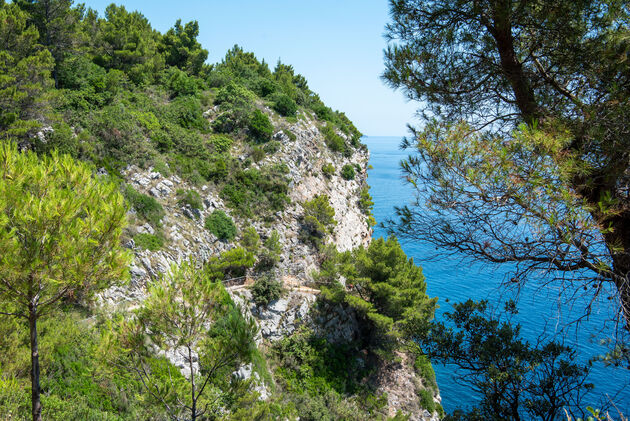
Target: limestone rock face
[[186, 237], [402, 385]]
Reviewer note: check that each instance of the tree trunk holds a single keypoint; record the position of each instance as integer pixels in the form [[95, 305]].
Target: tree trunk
[[501, 30], [193, 409], [35, 390], [619, 239]]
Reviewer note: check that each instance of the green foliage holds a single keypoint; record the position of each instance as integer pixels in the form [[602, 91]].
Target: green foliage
[[317, 375], [426, 400], [272, 147], [333, 140], [235, 95], [366, 204], [394, 285], [258, 154], [53, 210], [266, 289], [517, 380], [80, 381], [125, 41], [189, 198], [181, 48], [270, 255], [260, 127], [179, 83], [384, 287], [250, 240], [220, 225], [424, 369], [121, 133], [284, 105], [328, 170], [230, 264], [147, 241], [221, 143], [292, 137], [145, 206], [25, 69], [185, 309], [186, 111], [347, 172], [318, 220], [264, 190]]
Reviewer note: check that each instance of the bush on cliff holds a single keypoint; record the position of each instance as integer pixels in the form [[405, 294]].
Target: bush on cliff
[[220, 225], [318, 220]]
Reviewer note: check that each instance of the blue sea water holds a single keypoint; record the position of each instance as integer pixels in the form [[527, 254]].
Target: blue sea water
[[543, 311]]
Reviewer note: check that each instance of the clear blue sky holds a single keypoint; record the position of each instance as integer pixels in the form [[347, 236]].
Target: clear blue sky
[[336, 44]]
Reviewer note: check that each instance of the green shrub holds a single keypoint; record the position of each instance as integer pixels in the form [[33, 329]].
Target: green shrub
[[186, 111], [221, 225], [120, 134], [366, 204], [347, 172], [258, 154], [260, 127], [292, 137], [426, 400], [146, 207], [162, 167], [284, 105], [318, 220], [221, 143], [250, 240], [323, 112], [270, 255], [230, 264], [328, 170], [272, 147], [264, 87], [266, 289], [424, 369], [149, 241], [333, 140], [190, 198], [263, 190], [179, 83], [235, 95]]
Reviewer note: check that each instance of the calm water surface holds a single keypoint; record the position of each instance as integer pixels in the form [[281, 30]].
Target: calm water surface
[[454, 279]]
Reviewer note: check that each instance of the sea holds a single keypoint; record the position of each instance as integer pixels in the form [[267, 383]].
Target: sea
[[543, 312]]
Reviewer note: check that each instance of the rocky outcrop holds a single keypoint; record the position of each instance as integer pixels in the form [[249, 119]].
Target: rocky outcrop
[[184, 229], [402, 385], [304, 153]]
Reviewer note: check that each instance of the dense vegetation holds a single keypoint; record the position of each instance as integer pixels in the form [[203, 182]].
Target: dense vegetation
[[88, 96], [522, 160]]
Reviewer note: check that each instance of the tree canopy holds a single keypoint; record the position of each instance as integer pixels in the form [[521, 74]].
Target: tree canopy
[[524, 156], [60, 230]]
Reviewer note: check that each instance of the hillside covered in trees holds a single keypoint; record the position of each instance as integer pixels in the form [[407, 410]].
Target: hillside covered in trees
[[181, 240]]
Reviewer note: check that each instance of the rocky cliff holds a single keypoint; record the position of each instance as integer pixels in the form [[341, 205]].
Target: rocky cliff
[[303, 150]]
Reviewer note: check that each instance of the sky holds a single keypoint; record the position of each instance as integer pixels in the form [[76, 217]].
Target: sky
[[336, 44]]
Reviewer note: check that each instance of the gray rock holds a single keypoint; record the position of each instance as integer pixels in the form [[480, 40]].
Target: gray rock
[[145, 229], [143, 181], [164, 187], [191, 213]]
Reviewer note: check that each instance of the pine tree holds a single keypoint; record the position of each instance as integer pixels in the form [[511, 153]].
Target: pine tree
[[25, 68], [60, 230]]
